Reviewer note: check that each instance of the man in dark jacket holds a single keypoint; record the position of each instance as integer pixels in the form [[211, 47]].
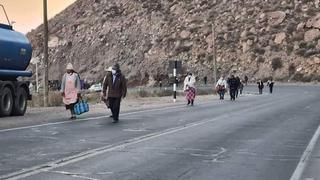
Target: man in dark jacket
[[116, 85], [260, 86], [233, 86]]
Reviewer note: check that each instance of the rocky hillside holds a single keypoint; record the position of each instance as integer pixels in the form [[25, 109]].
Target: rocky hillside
[[257, 38]]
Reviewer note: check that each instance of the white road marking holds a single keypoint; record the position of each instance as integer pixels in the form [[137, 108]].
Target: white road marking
[[134, 130], [77, 175], [181, 105], [109, 148], [87, 119], [218, 156], [305, 157]]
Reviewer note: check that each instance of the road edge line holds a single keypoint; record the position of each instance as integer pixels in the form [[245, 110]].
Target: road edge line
[[305, 157]]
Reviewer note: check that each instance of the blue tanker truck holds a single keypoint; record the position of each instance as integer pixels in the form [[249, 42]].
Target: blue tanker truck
[[15, 56]]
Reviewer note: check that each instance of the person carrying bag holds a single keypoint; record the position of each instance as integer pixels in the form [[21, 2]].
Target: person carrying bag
[[70, 89]]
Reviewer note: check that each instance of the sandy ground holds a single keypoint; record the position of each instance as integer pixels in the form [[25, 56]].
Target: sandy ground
[[41, 115]]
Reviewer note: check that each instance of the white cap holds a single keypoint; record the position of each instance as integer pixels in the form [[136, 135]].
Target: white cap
[[69, 66]]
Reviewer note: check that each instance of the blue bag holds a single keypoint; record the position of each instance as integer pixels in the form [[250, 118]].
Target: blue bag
[[81, 107]]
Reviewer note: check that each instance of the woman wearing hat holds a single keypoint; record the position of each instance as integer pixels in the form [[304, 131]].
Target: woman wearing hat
[[70, 89], [189, 88]]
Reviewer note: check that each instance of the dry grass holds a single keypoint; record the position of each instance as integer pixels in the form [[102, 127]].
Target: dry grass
[[55, 98]]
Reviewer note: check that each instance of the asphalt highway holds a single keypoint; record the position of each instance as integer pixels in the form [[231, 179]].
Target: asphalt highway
[[256, 137]]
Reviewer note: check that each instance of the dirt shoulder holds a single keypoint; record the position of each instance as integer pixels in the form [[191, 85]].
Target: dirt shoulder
[[41, 115]]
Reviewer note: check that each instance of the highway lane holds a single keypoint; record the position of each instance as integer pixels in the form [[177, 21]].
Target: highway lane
[[255, 137]]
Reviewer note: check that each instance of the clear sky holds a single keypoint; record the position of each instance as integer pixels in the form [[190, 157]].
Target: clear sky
[[28, 14]]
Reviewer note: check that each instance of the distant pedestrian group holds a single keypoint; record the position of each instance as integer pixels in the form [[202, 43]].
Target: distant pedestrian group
[[114, 89]]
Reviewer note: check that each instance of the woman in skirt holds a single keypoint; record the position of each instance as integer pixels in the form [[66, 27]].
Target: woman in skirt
[[189, 88], [221, 86], [70, 89]]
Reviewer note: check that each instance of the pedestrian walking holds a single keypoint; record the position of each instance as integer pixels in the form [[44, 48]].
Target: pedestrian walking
[[221, 87], [260, 86], [116, 85], [246, 79], [189, 88], [205, 79], [233, 85], [270, 83], [105, 98], [238, 86], [241, 87], [70, 89]]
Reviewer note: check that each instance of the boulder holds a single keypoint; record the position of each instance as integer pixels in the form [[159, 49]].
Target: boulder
[[185, 34], [245, 47], [280, 37], [53, 41], [276, 17], [314, 22], [301, 26], [316, 60], [305, 8], [311, 35], [318, 45]]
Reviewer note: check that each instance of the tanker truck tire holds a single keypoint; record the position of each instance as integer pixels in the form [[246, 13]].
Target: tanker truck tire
[[20, 103], [6, 102]]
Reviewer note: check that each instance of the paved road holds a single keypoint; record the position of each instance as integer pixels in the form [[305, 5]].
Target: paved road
[[255, 137]]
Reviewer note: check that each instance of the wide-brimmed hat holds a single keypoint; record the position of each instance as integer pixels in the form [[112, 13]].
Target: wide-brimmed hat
[[69, 67], [116, 67]]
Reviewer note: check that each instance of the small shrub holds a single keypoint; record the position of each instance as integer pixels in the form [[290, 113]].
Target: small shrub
[[164, 92], [311, 53], [303, 45], [298, 37], [260, 59], [291, 69], [264, 43], [311, 45], [289, 49], [291, 27], [301, 52], [276, 63], [258, 50], [143, 93], [276, 48]]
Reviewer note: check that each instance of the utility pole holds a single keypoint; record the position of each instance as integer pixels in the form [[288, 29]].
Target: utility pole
[[37, 77], [175, 81], [45, 54], [214, 51]]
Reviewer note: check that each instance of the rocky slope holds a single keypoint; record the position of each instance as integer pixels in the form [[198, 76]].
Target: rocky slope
[[258, 38]]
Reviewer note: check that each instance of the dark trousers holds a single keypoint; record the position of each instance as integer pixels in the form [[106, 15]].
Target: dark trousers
[[114, 104], [237, 93], [233, 94], [271, 88], [260, 91]]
